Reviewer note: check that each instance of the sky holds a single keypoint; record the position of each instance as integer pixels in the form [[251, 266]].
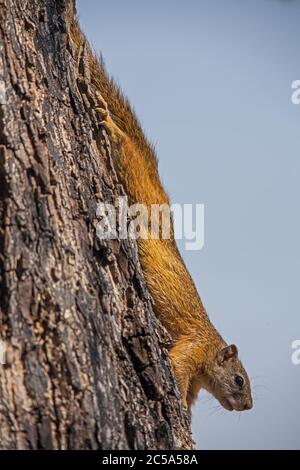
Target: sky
[[211, 83]]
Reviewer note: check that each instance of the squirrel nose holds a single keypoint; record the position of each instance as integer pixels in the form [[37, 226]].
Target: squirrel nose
[[248, 405]]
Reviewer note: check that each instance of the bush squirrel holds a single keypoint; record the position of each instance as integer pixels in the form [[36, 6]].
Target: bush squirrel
[[200, 358]]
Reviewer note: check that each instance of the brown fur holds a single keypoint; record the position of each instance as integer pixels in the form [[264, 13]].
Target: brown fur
[[196, 343]]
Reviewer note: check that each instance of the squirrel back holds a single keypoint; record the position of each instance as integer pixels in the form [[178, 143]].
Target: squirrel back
[[161, 261]]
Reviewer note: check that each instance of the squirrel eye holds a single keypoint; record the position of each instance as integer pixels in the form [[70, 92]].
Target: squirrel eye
[[239, 380]]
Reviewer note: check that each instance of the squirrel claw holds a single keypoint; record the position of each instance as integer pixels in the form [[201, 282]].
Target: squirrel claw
[[102, 108]]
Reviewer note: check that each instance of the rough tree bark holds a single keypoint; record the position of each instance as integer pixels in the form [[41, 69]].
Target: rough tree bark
[[86, 363]]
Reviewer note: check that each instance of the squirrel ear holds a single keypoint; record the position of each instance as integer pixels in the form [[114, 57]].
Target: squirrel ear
[[227, 353]]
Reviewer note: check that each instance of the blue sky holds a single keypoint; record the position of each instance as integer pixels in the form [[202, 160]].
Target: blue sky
[[211, 83]]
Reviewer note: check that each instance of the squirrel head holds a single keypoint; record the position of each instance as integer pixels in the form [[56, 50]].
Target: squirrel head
[[228, 381]]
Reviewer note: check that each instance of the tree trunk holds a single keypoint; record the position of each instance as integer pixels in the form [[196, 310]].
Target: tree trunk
[[86, 363]]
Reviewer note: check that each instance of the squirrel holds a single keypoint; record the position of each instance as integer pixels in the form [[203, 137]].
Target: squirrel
[[200, 358]]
